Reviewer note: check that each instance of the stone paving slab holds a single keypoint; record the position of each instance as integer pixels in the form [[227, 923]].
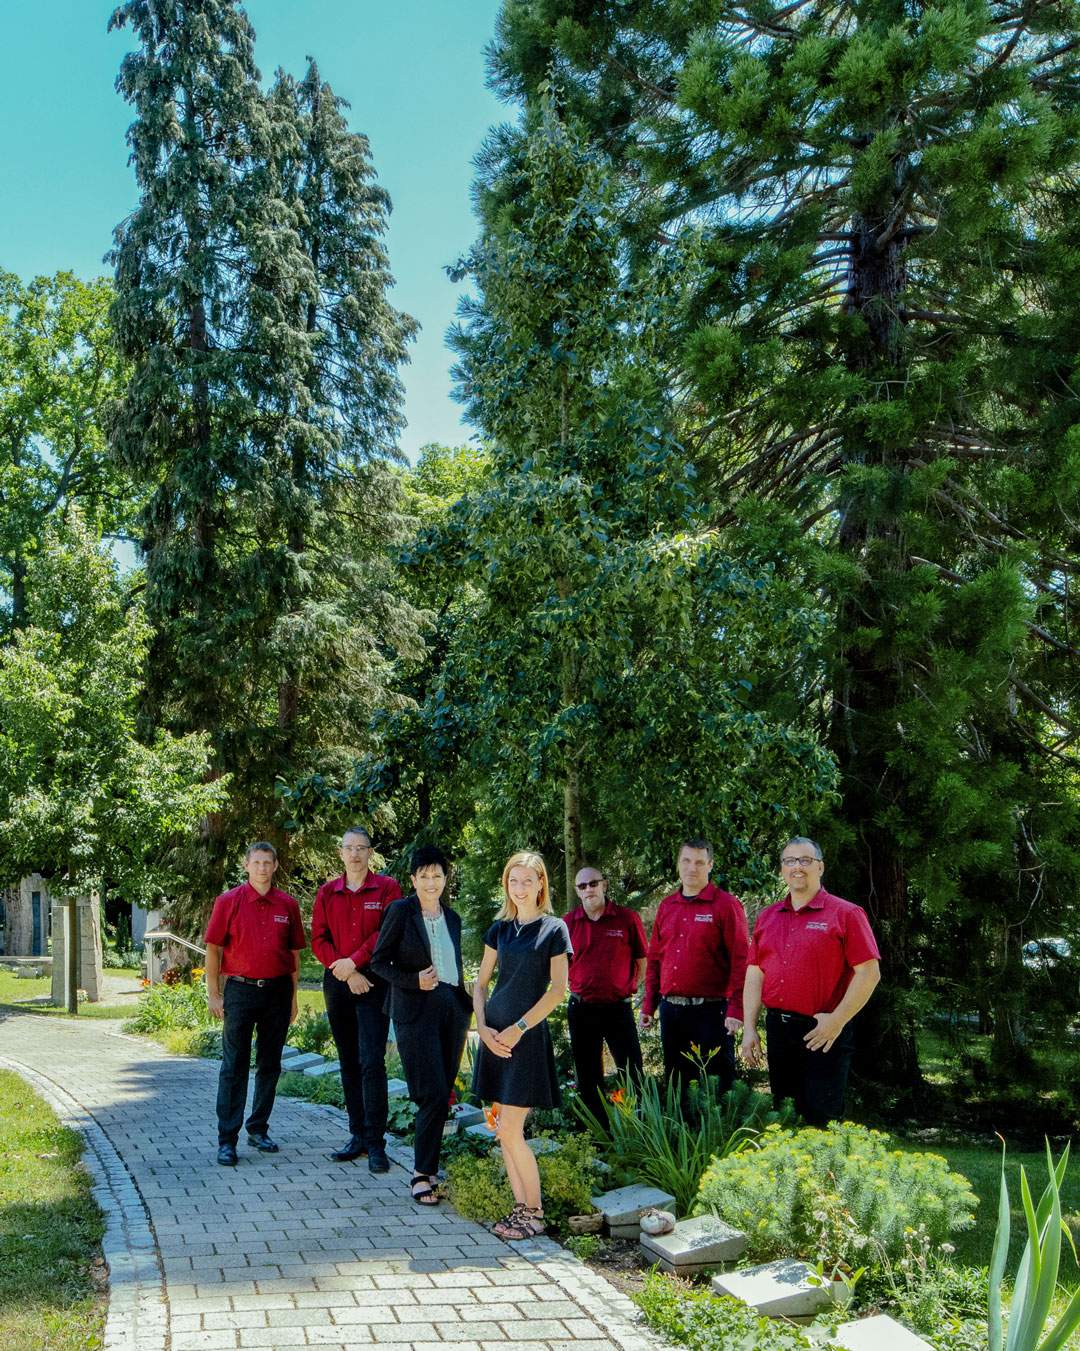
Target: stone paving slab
[[287, 1249], [693, 1245], [781, 1289], [880, 1333]]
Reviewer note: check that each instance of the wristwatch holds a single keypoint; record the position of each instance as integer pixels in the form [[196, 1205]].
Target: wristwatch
[[522, 1024]]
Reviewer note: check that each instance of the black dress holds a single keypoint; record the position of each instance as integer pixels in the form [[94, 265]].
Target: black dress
[[525, 951]]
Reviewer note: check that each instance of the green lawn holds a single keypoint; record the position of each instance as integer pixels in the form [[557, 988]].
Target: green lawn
[[14, 989], [50, 1230]]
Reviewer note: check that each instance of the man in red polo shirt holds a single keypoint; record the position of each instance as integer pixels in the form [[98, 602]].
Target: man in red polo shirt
[[253, 939], [344, 931], [695, 970], [606, 968], [814, 963]]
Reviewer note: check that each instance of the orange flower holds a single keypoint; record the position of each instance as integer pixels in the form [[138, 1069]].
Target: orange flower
[[617, 1096], [491, 1116]]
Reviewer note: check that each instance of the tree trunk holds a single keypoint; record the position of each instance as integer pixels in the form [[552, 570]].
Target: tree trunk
[[571, 831]]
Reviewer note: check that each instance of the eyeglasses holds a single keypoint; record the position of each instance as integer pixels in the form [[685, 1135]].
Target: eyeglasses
[[588, 886], [803, 862]]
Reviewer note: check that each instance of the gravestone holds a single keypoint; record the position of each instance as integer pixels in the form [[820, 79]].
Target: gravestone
[[622, 1208], [89, 975], [780, 1289], [880, 1333], [693, 1245]]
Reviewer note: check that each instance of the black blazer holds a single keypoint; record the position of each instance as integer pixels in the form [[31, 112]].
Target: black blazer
[[403, 951]]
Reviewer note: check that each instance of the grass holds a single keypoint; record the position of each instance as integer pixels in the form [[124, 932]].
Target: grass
[[14, 989], [981, 1165], [50, 1230]]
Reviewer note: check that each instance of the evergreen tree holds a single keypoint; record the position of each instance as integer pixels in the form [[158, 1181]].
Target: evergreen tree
[[251, 301], [871, 209], [588, 680]]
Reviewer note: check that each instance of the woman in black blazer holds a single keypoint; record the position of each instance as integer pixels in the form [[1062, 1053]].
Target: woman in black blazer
[[419, 956]]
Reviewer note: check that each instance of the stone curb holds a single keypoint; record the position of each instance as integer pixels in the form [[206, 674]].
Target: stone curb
[[138, 1311]]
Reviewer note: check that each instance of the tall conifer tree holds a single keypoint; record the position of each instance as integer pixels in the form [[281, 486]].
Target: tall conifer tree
[[251, 302], [870, 207]]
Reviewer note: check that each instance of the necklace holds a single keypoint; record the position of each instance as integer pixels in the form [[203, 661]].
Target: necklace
[[522, 924]]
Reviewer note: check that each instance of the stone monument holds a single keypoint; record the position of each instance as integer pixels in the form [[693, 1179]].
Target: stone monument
[[88, 933]]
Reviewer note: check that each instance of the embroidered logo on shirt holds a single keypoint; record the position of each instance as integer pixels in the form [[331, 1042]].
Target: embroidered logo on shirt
[[703, 919], [281, 919], [817, 924], [616, 933], [372, 905]]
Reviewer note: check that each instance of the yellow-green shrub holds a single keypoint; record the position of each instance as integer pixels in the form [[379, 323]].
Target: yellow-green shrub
[[828, 1193], [480, 1190]]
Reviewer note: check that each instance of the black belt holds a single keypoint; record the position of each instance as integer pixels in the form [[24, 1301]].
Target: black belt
[[600, 1003], [682, 1000], [250, 980], [786, 1016]]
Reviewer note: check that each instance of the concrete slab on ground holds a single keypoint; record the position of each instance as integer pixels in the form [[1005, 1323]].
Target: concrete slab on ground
[[780, 1289], [622, 1207], [693, 1245], [880, 1333]]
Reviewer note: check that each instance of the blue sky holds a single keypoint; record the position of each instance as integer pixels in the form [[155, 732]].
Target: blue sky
[[413, 71]]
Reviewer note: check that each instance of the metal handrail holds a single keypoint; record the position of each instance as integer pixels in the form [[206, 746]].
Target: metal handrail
[[163, 936]]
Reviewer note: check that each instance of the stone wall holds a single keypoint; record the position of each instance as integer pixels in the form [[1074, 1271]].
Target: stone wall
[[26, 929]]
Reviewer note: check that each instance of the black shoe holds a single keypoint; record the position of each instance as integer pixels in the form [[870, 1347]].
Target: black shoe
[[262, 1143], [377, 1161], [226, 1156], [352, 1149]]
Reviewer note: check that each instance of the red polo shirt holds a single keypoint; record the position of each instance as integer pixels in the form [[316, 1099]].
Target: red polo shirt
[[259, 935], [346, 923], [807, 955], [698, 947], [606, 952]]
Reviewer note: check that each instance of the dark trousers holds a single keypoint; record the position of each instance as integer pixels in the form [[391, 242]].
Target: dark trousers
[[360, 1027], [431, 1047], [816, 1080], [697, 1030], [591, 1024], [263, 1010]]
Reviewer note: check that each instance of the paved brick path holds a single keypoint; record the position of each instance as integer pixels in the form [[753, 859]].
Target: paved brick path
[[286, 1250]]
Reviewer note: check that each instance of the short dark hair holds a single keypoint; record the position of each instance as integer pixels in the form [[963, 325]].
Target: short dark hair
[[260, 847], [804, 839], [695, 844], [428, 856], [355, 830]]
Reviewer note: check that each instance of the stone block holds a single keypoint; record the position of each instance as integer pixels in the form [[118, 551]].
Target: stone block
[[880, 1333], [542, 1144], [693, 1245], [304, 1061], [320, 1071], [777, 1289], [464, 1114], [397, 1088], [290, 1053], [481, 1130], [622, 1207]]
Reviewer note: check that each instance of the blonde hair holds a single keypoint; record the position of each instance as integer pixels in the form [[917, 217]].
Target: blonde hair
[[524, 858]]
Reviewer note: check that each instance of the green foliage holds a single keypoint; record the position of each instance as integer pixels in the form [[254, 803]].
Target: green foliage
[[839, 1195], [59, 372], [1035, 1285], [650, 1136], [80, 790], [262, 406], [480, 1190], [401, 1117], [585, 1246], [704, 1322], [167, 1008], [204, 1042], [311, 1032], [866, 221], [326, 1089]]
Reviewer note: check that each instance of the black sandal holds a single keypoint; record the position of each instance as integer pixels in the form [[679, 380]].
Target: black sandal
[[427, 1195]]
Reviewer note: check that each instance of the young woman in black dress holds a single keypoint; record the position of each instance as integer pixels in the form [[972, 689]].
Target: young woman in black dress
[[515, 1065]]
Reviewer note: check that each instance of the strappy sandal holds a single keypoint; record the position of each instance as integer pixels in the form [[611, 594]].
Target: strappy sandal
[[522, 1222], [427, 1195]]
